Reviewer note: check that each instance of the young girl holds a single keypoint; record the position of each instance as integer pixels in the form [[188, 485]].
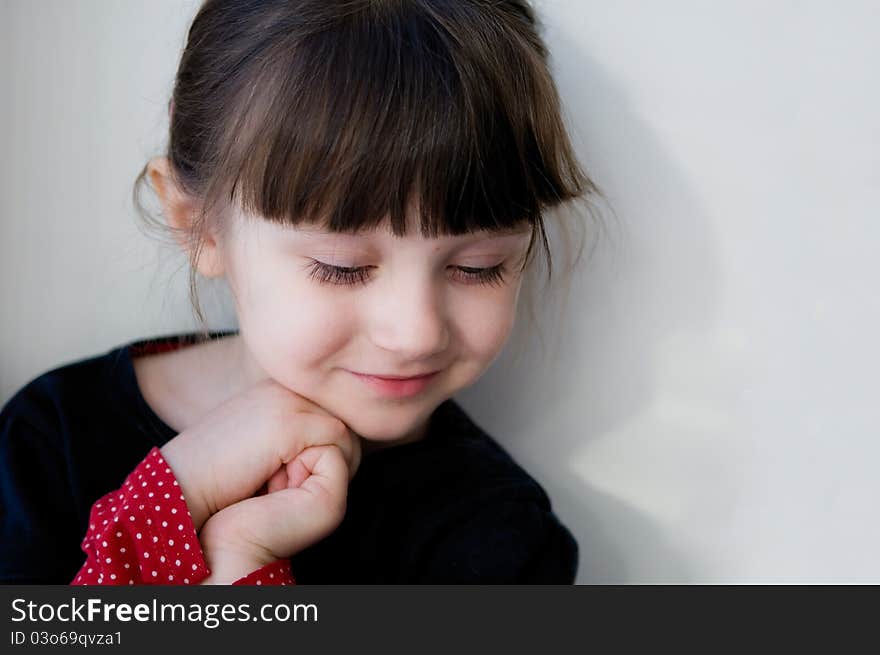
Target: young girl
[[369, 177]]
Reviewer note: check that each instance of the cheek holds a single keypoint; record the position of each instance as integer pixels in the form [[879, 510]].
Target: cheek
[[484, 325], [291, 329]]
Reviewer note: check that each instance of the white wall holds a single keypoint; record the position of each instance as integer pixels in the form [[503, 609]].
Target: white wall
[[711, 415], [85, 86]]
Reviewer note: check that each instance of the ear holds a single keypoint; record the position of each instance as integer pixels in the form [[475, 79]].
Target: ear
[[180, 210]]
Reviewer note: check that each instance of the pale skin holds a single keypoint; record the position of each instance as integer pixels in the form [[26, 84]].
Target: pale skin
[[277, 408]]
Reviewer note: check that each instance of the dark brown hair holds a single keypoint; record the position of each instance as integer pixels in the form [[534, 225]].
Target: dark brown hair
[[341, 113]]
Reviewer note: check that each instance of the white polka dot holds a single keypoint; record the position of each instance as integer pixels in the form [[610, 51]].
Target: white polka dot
[[92, 526], [168, 495], [112, 509], [108, 560], [90, 570], [162, 558], [195, 567], [171, 577], [167, 470], [154, 574], [180, 526], [175, 484], [118, 534], [159, 484], [148, 466], [135, 496], [177, 562], [98, 505], [186, 581], [149, 521], [171, 542], [143, 484], [104, 544], [122, 550], [146, 554], [174, 510], [155, 539], [271, 575], [259, 582], [112, 576], [131, 518], [105, 522], [138, 535], [150, 495], [127, 566], [157, 508], [131, 582], [161, 460], [186, 546]]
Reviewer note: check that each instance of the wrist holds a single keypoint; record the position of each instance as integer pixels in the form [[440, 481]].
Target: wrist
[[198, 509], [228, 557], [229, 564]]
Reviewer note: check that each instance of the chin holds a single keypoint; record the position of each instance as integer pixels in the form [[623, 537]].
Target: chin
[[387, 425], [381, 433]]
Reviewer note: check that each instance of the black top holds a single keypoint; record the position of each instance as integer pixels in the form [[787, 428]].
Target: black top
[[452, 508]]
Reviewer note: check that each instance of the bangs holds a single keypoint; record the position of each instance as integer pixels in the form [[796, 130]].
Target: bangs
[[346, 123]]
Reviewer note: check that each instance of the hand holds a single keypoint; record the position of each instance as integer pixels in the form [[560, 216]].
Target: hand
[[248, 440], [306, 501]]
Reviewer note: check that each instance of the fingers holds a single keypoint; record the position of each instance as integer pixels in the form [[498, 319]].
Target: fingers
[[290, 520], [327, 479], [278, 481], [297, 473], [318, 430], [316, 426]]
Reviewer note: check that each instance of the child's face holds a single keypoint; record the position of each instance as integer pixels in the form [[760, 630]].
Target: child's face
[[415, 313]]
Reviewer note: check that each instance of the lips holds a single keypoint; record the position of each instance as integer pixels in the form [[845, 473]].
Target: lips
[[397, 387], [398, 377]]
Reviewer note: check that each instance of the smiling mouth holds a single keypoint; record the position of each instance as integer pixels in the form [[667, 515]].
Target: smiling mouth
[[397, 377], [397, 387]]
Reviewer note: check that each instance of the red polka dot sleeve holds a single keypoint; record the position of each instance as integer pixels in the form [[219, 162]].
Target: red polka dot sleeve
[[143, 533]]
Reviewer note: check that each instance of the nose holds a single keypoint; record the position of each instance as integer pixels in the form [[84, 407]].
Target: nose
[[410, 320]]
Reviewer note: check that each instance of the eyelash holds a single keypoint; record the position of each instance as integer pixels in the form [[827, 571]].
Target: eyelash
[[327, 274]]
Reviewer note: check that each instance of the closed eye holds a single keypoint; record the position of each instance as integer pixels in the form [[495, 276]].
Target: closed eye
[[359, 275]]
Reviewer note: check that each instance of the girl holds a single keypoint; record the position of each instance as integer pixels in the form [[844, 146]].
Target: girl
[[369, 177]]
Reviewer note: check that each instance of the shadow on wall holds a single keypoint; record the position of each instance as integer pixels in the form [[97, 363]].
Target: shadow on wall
[[596, 397]]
